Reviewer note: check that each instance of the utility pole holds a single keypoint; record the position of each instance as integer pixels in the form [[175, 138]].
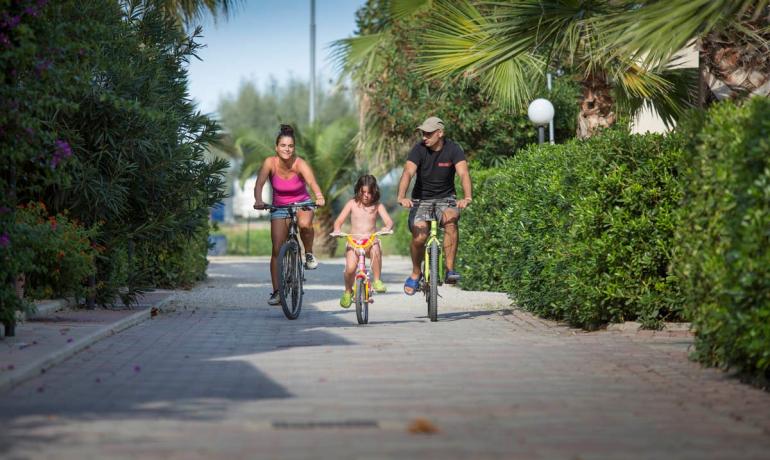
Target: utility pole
[[312, 61]]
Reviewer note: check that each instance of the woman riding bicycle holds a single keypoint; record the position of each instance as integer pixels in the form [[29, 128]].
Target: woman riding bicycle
[[289, 175]]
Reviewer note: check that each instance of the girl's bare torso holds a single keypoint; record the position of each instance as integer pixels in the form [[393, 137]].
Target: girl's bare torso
[[363, 219]]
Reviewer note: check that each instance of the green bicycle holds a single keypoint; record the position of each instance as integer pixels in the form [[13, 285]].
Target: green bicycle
[[433, 267]]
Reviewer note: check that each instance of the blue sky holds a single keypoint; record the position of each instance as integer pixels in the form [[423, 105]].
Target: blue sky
[[266, 38]]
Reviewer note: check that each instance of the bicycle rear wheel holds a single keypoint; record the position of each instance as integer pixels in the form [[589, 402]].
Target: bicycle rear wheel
[[433, 286], [362, 305], [290, 270]]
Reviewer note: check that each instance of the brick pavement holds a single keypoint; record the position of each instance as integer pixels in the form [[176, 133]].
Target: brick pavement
[[226, 376], [58, 329]]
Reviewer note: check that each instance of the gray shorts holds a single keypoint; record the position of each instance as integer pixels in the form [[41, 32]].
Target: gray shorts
[[424, 211]]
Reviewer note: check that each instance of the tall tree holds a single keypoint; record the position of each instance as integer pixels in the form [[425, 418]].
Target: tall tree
[[732, 38], [510, 44], [187, 11], [394, 98], [256, 111]]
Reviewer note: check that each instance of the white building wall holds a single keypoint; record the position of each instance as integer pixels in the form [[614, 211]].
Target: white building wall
[[648, 120], [243, 198]]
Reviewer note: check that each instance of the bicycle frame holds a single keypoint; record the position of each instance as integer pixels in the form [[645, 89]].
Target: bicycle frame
[[361, 271], [433, 236], [291, 294], [433, 269]]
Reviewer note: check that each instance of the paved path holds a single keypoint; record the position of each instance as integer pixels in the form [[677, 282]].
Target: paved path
[[226, 376]]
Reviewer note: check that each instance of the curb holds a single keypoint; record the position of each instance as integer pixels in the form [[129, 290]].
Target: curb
[[25, 372], [46, 307], [42, 308], [634, 326]]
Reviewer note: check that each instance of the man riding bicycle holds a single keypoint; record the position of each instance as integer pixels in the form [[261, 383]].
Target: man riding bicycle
[[434, 161]]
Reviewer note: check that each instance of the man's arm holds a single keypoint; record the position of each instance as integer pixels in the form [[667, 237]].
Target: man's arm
[[465, 181], [410, 168]]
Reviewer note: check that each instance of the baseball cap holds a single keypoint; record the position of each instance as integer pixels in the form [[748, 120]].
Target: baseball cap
[[431, 124]]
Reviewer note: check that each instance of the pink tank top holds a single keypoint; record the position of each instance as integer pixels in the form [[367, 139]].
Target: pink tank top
[[287, 191]]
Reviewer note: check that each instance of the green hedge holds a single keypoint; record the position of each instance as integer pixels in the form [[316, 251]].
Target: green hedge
[[723, 246], [580, 231], [629, 227], [178, 262]]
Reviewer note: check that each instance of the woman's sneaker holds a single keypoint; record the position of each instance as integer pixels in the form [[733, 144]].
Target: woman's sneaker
[[310, 262], [275, 299]]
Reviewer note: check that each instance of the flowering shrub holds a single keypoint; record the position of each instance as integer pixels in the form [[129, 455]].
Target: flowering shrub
[[95, 122], [33, 66], [62, 254]]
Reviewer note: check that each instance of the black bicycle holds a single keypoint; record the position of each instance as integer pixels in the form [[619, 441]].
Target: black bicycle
[[291, 270]]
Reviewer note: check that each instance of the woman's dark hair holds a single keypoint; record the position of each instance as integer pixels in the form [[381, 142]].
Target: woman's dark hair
[[286, 131], [367, 181]]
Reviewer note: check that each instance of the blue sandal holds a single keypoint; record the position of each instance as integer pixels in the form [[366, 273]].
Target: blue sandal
[[413, 284]]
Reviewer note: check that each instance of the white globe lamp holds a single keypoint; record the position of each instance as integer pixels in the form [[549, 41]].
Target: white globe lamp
[[540, 113]]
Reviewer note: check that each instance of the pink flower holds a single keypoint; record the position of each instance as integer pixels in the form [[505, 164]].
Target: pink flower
[[63, 148]]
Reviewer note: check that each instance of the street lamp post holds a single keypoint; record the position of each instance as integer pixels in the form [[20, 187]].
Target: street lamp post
[[312, 61], [540, 113], [550, 124]]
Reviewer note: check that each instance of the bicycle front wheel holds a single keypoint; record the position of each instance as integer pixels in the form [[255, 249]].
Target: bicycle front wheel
[[290, 270], [433, 286], [362, 304]]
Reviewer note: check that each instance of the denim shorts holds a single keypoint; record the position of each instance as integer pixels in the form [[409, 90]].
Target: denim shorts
[[423, 211], [283, 213]]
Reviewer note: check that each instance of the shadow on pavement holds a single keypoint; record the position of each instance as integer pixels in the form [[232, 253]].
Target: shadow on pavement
[[189, 364]]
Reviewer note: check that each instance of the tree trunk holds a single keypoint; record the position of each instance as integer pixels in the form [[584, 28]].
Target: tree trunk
[[737, 64], [324, 224], [595, 106]]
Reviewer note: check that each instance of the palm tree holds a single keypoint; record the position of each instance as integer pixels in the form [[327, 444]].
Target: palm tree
[[509, 45], [186, 11], [330, 151], [732, 38], [362, 58]]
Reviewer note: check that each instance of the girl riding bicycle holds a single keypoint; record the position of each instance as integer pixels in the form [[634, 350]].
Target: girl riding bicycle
[[363, 210], [289, 175]]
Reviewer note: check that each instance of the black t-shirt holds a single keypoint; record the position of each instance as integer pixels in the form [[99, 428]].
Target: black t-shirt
[[435, 170]]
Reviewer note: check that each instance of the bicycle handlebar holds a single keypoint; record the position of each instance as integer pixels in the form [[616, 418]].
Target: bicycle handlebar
[[344, 235], [287, 206]]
